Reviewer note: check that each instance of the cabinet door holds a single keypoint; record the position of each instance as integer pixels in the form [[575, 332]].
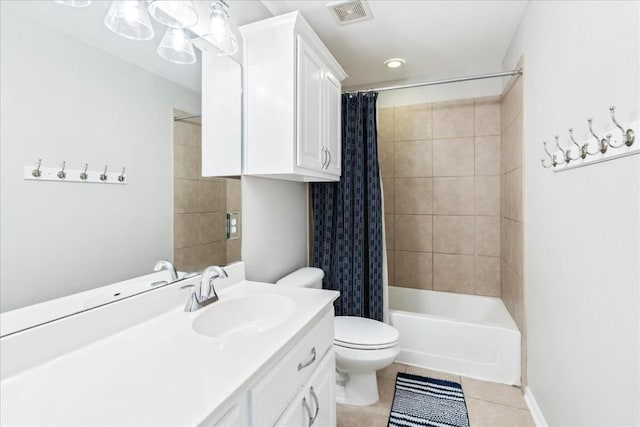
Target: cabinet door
[[332, 123], [309, 100], [315, 405]]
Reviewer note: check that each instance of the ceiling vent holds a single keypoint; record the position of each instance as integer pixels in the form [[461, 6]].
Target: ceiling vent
[[348, 12]]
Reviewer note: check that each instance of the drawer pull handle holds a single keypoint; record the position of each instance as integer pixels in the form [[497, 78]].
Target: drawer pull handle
[[315, 399], [329, 163], [305, 405], [301, 365]]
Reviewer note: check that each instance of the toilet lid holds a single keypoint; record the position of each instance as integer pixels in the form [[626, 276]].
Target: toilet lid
[[358, 332]]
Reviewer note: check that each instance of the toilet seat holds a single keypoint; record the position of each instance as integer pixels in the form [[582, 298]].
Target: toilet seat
[[364, 334]]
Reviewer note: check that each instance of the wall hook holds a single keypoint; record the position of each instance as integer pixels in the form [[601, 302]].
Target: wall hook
[[37, 173], [603, 143], [103, 175], [627, 136], [121, 177], [564, 152], [61, 173], [83, 174], [582, 151], [551, 156]]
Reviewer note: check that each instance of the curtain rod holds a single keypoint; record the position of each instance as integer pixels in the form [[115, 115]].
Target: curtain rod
[[440, 82], [192, 116]]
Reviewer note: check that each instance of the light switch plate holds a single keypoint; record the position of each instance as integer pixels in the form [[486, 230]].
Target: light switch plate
[[233, 225]]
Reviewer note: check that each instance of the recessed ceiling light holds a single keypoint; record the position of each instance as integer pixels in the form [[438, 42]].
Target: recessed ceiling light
[[394, 62]]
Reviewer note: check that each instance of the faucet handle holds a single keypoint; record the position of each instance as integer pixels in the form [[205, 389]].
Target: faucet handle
[[193, 303]]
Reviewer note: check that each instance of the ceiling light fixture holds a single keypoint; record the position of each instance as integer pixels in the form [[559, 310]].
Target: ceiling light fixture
[[221, 36], [172, 13], [130, 19], [176, 47], [394, 62]]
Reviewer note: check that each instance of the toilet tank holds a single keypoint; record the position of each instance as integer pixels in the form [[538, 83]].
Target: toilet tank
[[307, 277]]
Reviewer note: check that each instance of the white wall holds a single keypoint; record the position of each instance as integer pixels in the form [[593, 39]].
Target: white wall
[[63, 100], [274, 227], [582, 227]]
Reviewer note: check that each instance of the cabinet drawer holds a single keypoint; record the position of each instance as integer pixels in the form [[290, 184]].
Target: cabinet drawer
[[270, 396]]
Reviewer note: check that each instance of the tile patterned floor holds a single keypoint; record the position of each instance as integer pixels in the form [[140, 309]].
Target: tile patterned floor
[[489, 404]]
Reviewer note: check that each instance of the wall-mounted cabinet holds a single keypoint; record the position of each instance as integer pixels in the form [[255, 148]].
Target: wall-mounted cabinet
[[292, 102], [221, 116]]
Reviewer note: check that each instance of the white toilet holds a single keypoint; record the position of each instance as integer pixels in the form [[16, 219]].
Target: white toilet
[[362, 347]]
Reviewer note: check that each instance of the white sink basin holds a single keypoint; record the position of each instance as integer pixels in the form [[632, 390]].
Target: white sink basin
[[244, 315]]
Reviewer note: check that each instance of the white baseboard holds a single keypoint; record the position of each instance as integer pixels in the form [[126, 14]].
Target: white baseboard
[[536, 413]]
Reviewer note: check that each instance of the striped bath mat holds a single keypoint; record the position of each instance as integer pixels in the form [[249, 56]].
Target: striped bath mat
[[422, 401]]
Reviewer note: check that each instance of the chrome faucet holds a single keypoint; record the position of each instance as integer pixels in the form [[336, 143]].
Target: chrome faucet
[[167, 265], [205, 294]]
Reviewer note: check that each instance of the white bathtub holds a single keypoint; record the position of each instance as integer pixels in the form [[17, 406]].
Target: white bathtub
[[462, 334]]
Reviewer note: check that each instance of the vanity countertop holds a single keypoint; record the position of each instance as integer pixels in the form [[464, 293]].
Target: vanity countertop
[[159, 372]]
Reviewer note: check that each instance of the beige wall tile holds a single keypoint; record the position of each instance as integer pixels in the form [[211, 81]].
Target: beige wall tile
[[453, 273], [213, 254], [453, 234], [412, 122], [391, 264], [453, 119], [185, 196], [388, 187], [511, 145], [389, 230], [413, 233], [453, 196], [185, 230], [487, 276], [512, 293], [487, 195], [187, 259], [234, 250], [211, 196], [512, 195], [207, 224], [512, 103], [414, 270], [489, 414], [386, 160], [413, 195], [487, 116], [413, 159], [453, 157], [511, 236], [186, 162], [487, 235], [385, 124], [233, 195], [186, 133], [487, 155]]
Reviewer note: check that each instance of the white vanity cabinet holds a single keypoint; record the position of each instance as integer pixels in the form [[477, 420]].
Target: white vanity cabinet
[[292, 102]]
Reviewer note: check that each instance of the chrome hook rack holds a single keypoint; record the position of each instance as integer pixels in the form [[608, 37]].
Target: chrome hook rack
[[64, 174], [617, 143]]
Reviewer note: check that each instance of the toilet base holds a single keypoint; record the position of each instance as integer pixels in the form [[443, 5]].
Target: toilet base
[[361, 389]]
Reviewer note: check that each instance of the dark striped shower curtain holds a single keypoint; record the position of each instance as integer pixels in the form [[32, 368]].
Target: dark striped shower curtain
[[347, 215]]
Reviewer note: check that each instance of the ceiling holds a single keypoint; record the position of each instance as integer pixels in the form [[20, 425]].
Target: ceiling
[[438, 39]]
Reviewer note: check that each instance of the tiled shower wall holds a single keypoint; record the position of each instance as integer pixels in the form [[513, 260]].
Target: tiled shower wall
[[512, 222], [200, 205], [440, 165]]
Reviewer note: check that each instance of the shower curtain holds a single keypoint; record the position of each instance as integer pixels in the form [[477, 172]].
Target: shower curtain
[[347, 216]]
